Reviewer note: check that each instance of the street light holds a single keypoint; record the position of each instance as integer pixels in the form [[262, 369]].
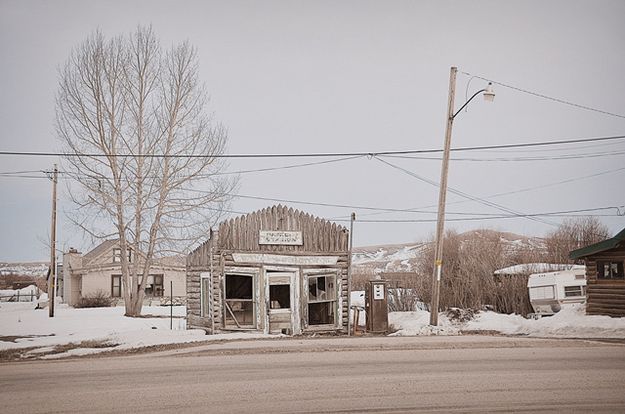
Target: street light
[[489, 96]]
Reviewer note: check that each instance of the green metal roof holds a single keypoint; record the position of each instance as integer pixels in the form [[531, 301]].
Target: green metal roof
[[598, 247]]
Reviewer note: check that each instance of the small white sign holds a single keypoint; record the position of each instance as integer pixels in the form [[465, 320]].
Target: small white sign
[[289, 238], [378, 292]]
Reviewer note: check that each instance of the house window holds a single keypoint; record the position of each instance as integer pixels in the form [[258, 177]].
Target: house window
[[239, 304], [570, 291], [116, 286], [154, 286], [610, 270], [321, 299], [117, 255]]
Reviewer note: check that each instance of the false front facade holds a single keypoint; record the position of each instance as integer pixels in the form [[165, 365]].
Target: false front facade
[[277, 270]]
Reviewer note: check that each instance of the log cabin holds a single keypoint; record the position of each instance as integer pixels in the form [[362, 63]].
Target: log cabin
[[277, 270], [605, 277]]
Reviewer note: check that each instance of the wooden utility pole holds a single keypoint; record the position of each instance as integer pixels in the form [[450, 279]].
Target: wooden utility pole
[[52, 276], [489, 96], [440, 222]]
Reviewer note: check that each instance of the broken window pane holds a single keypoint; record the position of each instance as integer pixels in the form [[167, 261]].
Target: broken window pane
[[321, 313], [239, 287], [239, 304], [280, 296], [321, 299]]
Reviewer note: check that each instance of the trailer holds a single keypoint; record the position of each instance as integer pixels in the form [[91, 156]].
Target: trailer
[[549, 291]]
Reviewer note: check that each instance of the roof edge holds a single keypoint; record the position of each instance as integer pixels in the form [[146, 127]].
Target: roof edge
[[598, 247]]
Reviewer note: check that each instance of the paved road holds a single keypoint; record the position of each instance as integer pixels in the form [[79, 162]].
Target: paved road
[[458, 374]]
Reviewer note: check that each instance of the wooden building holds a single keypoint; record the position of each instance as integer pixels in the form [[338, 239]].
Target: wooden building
[[274, 270], [605, 277]]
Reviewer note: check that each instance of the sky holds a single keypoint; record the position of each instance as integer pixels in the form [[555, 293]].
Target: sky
[[347, 77]]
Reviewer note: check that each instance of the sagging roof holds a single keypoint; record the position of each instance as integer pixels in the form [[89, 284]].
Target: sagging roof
[[598, 247]]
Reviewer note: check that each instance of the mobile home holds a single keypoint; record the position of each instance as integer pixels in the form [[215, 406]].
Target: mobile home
[[549, 291]]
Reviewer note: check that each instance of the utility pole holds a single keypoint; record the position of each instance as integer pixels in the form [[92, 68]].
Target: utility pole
[[349, 273], [52, 277], [489, 96], [440, 222]]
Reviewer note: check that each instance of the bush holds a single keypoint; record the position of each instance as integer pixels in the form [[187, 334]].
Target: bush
[[99, 299]]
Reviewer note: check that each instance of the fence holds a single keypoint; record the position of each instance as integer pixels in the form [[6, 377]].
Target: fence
[[17, 296]]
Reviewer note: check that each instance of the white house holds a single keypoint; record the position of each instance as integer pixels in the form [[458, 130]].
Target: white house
[[100, 271]]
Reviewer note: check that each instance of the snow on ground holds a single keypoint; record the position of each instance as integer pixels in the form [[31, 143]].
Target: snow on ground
[[570, 322], [21, 326], [95, 330], [26, 294]]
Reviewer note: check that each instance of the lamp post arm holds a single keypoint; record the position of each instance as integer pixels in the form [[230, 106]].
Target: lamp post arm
[[467, 102]]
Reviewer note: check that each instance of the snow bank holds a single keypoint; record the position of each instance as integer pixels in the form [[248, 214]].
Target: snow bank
[[23, 327], [570, 322], [418, 323], [25, 294]]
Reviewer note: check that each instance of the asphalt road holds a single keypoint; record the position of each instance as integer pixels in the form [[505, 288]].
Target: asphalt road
[[459, 374]]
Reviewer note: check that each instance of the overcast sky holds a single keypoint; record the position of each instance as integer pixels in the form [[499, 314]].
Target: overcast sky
[[351, 76]]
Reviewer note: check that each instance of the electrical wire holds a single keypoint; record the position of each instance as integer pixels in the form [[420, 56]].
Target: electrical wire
[[465, 195], [318, 154], [515, 159], [540, 95]]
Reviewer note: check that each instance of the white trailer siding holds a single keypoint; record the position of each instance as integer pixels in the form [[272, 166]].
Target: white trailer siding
[[548, 291]]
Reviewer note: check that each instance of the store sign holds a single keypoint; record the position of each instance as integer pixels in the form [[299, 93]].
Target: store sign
[[289, 238], [277, 259]]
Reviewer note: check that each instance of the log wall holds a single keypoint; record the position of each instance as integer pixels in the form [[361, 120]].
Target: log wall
[[241, 235], [605, 296]]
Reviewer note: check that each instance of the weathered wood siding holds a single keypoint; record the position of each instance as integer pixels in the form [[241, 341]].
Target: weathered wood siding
[[204, 259], [605, 296], [241, 235], [319, 236]]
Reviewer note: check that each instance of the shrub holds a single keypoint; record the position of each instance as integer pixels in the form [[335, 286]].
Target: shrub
[[99, 299]]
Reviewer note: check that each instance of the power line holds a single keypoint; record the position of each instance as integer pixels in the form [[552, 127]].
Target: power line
[[540, 95], [517, 159], [465, 195], [316, 154]]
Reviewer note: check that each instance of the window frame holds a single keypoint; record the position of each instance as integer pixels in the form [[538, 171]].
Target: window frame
[[571, 291], [117, 255], [205, 294], [332, 300], [601, 267], [227, 302], [534, 289], [118, 277], [154, 292]]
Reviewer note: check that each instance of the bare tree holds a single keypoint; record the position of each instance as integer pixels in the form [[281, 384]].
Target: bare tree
[[574, 234], [470, 260], [141, 149]]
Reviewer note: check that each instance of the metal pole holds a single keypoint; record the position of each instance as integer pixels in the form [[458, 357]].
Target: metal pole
[[440, 223], [52, 277], [349, 273], [171, 304]]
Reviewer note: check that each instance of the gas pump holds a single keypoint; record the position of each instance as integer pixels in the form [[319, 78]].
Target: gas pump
[[376, 305]]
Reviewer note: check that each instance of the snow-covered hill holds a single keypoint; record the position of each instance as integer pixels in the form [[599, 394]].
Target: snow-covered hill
[[386, 258], [371, 260], [35, 269]]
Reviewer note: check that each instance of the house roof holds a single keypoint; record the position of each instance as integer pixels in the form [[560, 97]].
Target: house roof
[[598, 247], [528, 268], [99, 249]]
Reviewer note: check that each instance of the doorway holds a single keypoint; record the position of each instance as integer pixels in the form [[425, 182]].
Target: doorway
[[280, 302]]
